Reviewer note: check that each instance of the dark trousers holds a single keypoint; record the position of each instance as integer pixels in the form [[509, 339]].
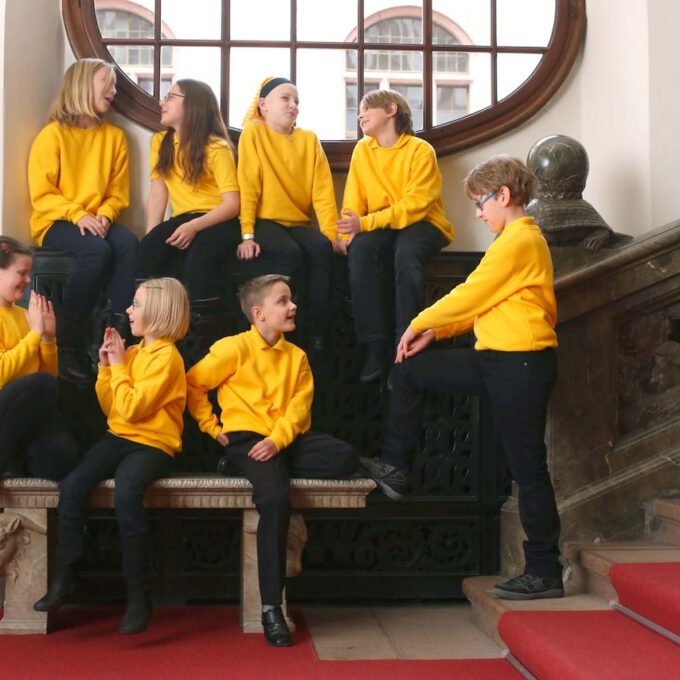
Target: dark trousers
[[306, 254], [32, 440], [518, 385], [312, 455], [202, 265], [409, 249], [134, 467], [97, 261]]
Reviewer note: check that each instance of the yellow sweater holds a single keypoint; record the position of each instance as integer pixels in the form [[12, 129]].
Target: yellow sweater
[[219, 177], [21, 349], [144, 398], [508, 299], [74, 171], [261, 389], [395, 187], [282, 177]]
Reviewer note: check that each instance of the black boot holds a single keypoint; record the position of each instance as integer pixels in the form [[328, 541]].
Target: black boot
[[74, 363], [375, 362], [136, 559], [64, 585], [209, 323]]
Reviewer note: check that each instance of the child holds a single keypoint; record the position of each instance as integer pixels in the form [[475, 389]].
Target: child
[[78, 181], [192, 164], [509, 302], [283, 173], [264, 389], [31, 440], [143, 393], [392, 209]]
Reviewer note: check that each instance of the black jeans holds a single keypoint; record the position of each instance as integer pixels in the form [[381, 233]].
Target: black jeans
[[410, 248], [97, 261], [32, 440], [518, 385], [313, 455]]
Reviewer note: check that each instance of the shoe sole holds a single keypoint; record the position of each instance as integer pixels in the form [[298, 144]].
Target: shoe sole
[[509, 595], [388, 490]]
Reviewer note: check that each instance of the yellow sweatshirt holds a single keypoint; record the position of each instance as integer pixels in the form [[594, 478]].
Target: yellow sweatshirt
[[282, 177], [508, 299], [74, 171], [144, 398], [261, 389], [219, 177], [21, 350], [394, 187]]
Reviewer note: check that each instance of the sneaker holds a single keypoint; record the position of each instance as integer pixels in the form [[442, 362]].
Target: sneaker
[[392, 481], [528, 587]]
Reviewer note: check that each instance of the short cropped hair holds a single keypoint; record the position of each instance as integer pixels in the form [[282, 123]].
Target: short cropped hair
[[9, 249], [502, 171], [381, 99], [75, 98], [252, 293], [166, 308]]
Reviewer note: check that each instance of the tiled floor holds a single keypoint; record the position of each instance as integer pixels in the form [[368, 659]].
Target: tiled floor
[[439, 631]]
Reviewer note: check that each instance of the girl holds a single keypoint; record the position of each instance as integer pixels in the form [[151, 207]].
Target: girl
[[143, 393], [283, 173], [78, 181], [192, 164], [31, 440]]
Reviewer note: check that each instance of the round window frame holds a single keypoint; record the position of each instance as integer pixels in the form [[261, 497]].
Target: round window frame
[[563, 48]]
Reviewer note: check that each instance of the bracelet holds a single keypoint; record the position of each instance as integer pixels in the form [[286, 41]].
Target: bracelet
[[247, 237]]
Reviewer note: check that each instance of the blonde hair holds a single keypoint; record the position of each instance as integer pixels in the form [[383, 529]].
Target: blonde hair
[[252, 292], [502, 171], [253, 112], [381, 99], [166, 308], [75, 98]]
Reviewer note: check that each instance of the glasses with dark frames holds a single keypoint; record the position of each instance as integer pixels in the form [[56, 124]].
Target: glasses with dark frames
[[480, 203]]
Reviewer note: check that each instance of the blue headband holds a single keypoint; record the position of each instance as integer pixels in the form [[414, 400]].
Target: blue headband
[[274, 82]]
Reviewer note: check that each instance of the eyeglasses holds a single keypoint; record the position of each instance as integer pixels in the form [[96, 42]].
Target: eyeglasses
[[136, 304], [480, 203], [170, 95]]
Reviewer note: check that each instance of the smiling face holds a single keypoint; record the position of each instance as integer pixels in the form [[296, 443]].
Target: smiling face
[[14, 279], [376, 120], [277, 311], [103, 89], [172, 107], [135, 313], [280, 108]]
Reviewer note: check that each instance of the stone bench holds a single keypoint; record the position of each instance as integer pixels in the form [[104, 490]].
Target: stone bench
[[23, 532]]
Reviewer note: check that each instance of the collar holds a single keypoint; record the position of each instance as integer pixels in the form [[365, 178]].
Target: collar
[[155, 346], [261, 343], [402, 141]]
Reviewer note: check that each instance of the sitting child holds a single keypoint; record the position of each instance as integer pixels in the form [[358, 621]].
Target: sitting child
[[264, 389]]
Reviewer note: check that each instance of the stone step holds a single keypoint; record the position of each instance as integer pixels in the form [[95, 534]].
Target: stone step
[[667, 511]]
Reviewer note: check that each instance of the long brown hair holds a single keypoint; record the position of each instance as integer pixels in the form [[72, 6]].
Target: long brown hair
[[201, 121]]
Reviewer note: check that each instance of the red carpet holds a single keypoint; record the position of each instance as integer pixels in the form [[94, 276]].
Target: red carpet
[[200, 643], [651, 590], [588, 645]]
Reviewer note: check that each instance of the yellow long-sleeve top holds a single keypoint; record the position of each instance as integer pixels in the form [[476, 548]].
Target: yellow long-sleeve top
[[282, 177], [508, 299], [74, 171], [218, 177], [394, 187], [260, 388], [21, 350], [144, 397]]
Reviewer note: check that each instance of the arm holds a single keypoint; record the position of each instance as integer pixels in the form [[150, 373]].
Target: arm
[[156, 203], [249, 178], [117, 196], [323, 195]]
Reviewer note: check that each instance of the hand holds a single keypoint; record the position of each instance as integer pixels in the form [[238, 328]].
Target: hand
[[103, 350], [340, 246], [350, 224], [91, 224], [182, 236], [222, 439], [264, 450], [49, 333], [34, 314], [248, 250], [115, 346], [106, 224], [412, 342]]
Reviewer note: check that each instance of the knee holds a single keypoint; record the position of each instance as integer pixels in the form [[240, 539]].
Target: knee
[[274, 500], [128, 496], [361, 250], [96, 253], [407, 264], [41, 384], [346, 460], [322, 249]]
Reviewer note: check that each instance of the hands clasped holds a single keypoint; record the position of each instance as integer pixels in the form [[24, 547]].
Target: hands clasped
[[112, 350]]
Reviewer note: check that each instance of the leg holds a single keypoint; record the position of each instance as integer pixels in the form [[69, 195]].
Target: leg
[[413, 247], [316, 455], [124, 245], [155, 257], [280, 254], [53, 454]]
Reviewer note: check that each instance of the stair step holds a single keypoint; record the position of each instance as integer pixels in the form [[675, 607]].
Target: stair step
[[667, 510]]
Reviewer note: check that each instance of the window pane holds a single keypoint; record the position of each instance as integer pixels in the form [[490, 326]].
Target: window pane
[[184, 21], [261, 20], [326, 21], [394, 23], [478, 82], [201, 63], [414, 96], [469, 20], [248, 67], [385, 61], [451, 102], [513, 70], [513, 31], [136, 21]]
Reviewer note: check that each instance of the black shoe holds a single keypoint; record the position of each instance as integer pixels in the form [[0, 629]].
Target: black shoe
[[528, 587], [374, 363], [317, 354], [391, 480], [137, 613], [276, 631], [63, 587]]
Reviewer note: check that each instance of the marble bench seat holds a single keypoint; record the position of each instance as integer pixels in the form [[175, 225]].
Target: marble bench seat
[[23, 532]]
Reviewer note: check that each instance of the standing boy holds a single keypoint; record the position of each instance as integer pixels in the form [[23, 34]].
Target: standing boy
[[392, 209], [509, 302], [264, 390]]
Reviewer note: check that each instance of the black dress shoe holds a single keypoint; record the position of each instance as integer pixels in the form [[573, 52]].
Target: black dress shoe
[[276, 631], [63, 587]]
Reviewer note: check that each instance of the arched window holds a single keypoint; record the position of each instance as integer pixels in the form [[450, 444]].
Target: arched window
[[472, 69]]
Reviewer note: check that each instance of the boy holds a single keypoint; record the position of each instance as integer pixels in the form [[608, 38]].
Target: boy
[[393, 209], [264, 390], [509, 302]]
